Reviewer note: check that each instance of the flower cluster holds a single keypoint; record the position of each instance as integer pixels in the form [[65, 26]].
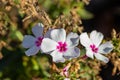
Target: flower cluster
[[61, 46]]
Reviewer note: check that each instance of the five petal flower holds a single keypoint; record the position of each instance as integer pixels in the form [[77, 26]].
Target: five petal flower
[[60, 46], [93, 46], [34, 43]]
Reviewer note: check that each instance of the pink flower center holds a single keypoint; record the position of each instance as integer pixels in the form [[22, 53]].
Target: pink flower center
[[38, 41], [94, 48], [62, 47]]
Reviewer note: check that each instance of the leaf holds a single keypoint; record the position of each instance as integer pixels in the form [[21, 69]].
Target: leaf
[[19, 35], [84, 14], [16, 1]]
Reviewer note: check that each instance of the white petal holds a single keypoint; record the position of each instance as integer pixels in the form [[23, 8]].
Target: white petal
[[67, 79], [48, 45], [48, 34], [89, 53], [102, 58], [96, 37], [84, 40], [58, 35], [72, 39], [38, 30], [105, 48], [28, 41], [72, 53], [72, 35], [32, 51], [57, 57]]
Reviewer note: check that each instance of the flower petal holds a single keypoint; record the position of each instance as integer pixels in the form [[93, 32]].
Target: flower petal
[[67, 79], [89, 53], [58, 35], [28, 41], [96, 37], [72, 39], [102, 58], [47, 35], [48, 45], [32, 51], [84, 39], [38, 30], [57, 57], [105, 48], [72, 53]]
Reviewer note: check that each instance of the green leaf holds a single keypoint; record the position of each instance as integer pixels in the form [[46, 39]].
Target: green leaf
[[16, 1], [84, 14], [19, 35]]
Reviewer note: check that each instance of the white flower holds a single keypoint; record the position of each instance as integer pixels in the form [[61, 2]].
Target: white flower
[[61, 47], [67, 79], [93, 46], [34, 43]]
